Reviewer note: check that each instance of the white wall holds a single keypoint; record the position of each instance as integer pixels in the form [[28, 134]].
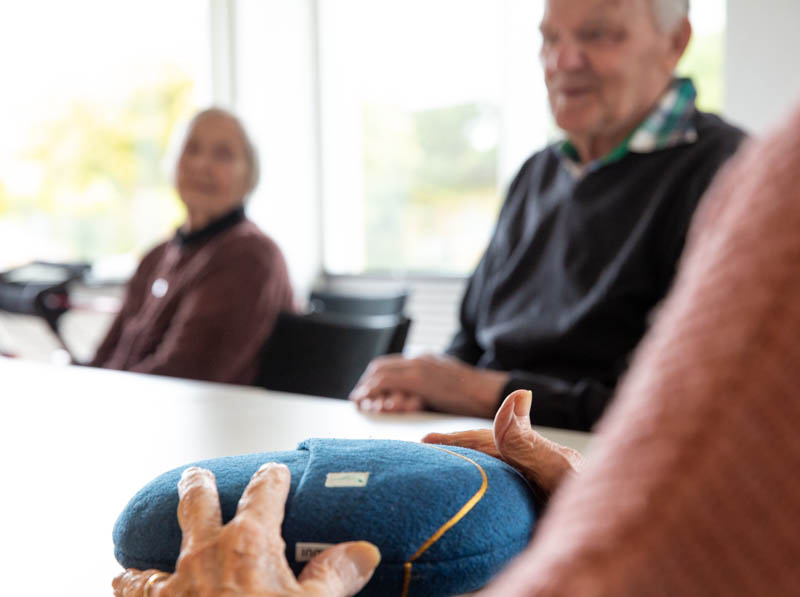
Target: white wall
[[762, 72]]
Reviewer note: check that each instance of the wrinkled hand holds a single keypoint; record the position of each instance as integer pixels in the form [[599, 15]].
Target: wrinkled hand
[[245, 558], [398, 384], [542, 462]]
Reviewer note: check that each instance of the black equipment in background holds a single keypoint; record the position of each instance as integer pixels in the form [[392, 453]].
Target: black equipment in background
[[40, 289]]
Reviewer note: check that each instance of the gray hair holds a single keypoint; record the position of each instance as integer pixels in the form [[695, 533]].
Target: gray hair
[[250, 152], [668, 13]]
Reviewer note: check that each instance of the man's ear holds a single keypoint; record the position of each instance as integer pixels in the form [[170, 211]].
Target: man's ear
[[679, 41]]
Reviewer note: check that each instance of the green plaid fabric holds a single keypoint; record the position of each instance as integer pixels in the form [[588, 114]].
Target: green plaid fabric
[[668, 124]]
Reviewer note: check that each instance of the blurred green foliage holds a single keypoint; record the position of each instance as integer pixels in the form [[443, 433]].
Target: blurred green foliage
[[102, 183], [429, 190], [704, 62]]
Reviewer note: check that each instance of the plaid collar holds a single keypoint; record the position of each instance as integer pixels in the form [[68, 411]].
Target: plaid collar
[[669, 124]]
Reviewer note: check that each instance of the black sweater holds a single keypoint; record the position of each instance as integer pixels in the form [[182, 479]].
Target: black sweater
[[565, 288]]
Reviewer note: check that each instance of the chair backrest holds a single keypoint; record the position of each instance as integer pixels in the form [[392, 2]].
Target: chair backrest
[[323, 354], [321, 301]]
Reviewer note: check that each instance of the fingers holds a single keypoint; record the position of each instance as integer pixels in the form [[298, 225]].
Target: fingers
[[341, 570], [199, 513], [129, 583], [540, 460], [373, 376], [512, 426], [386, 375], [476, 439], [391, 402], [263, 502], [252, 541], [133, 583]]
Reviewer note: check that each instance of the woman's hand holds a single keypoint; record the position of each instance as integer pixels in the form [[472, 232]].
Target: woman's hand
[[245, 558], [542, 462]]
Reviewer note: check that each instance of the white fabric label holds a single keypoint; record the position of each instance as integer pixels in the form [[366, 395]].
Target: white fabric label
[[346, 479], [303, 552]]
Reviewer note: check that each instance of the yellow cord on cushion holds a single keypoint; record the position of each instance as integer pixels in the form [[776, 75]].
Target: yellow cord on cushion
[[450, 523]]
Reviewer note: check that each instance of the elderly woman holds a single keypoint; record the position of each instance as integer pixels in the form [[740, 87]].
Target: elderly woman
[[691, 487], [201, 304]]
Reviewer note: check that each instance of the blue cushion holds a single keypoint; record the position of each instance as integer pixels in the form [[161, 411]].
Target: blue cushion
[[411, 492]]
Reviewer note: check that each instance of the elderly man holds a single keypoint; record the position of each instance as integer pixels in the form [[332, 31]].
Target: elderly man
[[591, 229]]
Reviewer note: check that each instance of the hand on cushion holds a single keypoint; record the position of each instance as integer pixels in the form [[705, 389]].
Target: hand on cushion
[[246, 556], [542, 462]]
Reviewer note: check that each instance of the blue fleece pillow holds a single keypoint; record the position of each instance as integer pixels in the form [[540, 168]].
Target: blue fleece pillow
[[397, 495]]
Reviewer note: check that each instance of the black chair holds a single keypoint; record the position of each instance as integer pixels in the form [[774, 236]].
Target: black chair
[[324, 354], [321, 301]]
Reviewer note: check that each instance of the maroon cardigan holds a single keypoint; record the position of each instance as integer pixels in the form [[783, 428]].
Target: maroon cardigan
[[201, 306]]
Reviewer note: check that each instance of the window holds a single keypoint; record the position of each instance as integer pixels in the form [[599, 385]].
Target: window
[[413, 97], [427, 110], [93, 92]]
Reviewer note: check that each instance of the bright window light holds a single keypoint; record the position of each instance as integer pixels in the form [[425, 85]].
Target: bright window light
[[411, 124], [93, 92], [427, 110]]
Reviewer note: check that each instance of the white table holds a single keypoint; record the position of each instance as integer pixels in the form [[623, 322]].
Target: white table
[[77, 443]]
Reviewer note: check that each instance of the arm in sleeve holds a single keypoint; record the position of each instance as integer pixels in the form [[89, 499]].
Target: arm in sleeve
[[464, 345]]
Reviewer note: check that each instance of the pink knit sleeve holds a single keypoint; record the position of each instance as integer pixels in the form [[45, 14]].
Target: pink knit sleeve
[[693, 484]]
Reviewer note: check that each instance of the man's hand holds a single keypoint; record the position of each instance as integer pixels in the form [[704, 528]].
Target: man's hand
[[246, 556], [543, 462], [398, 384]]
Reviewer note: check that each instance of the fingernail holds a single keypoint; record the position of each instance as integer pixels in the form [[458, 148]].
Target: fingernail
[[190, 472], [522, 404], [272, 466], [365, 557]]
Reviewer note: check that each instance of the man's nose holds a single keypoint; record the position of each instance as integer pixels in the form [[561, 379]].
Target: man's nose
[[567, 55]]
